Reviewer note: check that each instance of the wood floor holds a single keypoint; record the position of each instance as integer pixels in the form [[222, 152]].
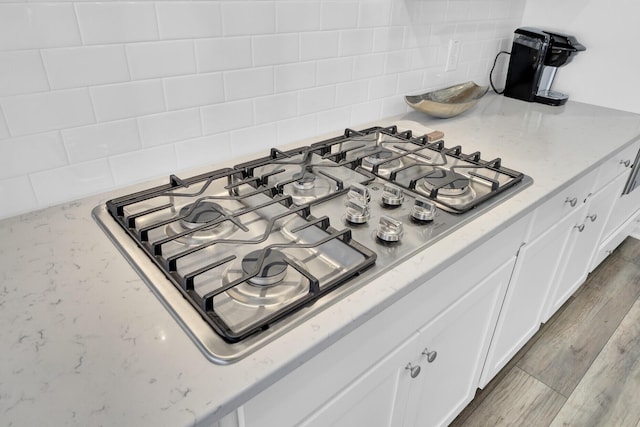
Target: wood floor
[[583, 367]]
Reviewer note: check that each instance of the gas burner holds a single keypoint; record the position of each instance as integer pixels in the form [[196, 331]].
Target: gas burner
[[275, 283], [203, 212], [308, 187], [446, 182], [304, 181], [194, 216], [272, 270], [380, 157]]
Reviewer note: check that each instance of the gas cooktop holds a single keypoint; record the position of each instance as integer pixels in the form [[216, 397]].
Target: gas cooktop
[[241, 255]]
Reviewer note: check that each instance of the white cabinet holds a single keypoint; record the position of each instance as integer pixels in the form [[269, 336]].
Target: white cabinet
[[583, 242], [524, 305], [456, 343], [366, 377], [377, 398], [433, 375], [557, 257]]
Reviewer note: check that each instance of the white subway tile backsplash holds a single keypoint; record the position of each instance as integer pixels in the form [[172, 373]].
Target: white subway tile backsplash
[[4, 131], [352, 92], [230, 53], [46, 111], [85, 66], [319, 45], [181, 20], [397, 62], [101, 140], [31, 154], [410, 83], [297, 129], [337, 118], [207, 150], [22, 72], [227, 116], [254, 140], [424, 57], [71, 182], [317, 99], [458, 11], [143, 164], [161, 59], [275, 107], [17, 196], [297, 16], [116, 22], [336, 15], [365, 112], [388, 39], [393, 105], [169, 127], [436, 11], [204, 81], [374, 13], [296, 76], [336, 70], [124, 100], [32, 26], [193, 90], [275, 49], [365, 66], [248, 17], [356, 42], [383, 86], [248, 83]]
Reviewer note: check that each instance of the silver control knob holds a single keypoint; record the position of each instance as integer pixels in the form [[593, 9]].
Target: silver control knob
[[392, 196], [357, 212], [389, 229], [359, 192], [423, 210]]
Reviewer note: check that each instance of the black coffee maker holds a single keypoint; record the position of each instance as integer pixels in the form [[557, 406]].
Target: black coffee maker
[[535, 57]]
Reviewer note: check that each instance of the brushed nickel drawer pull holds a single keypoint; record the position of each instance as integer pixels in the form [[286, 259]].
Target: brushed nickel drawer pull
[[573, 202]]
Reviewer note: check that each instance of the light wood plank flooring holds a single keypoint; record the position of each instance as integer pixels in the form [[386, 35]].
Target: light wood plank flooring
[[583, 367]]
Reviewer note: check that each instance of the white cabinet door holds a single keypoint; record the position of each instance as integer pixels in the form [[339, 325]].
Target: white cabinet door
[[521, 313], [456, 342], [583, 242], [377, 398]]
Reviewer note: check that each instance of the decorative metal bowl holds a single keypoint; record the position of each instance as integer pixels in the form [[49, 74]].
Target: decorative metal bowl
[[448, 102]]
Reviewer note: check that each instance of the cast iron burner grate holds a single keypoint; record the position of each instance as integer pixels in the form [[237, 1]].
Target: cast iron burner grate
[[455, 181], [255, 212]]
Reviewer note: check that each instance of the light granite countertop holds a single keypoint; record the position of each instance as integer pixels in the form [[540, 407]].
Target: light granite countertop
[[85, 342]]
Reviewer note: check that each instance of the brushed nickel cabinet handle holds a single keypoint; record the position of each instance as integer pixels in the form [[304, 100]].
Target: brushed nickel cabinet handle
[[626, 163], [592, 217], [414, 371], [431, 355], [573, 202], [579, 227]]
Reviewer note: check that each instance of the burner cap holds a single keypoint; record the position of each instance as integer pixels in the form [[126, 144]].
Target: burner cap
[[204, 211], [448, 183], [304, 181], [378, 156], [273, 269]]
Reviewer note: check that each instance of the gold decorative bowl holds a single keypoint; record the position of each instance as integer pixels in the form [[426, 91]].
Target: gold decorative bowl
[[447, 102]]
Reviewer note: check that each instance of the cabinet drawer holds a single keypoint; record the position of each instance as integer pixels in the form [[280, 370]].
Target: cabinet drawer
[[561, 204], [620, 162]]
